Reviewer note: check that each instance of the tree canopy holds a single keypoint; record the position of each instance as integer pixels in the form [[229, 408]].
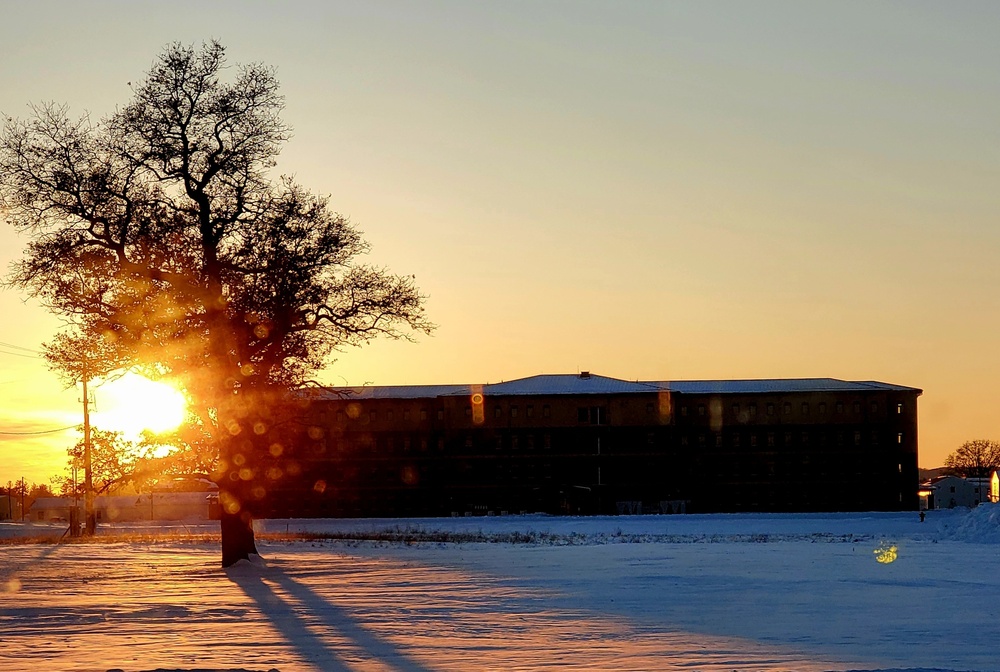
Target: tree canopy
[[978, 458], [162, 231]]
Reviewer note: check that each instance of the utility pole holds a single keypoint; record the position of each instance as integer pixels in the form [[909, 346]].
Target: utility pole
[[90, 524]]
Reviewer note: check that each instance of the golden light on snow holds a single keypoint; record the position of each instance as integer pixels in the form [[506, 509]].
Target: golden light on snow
[[885, 553], [134, 404]]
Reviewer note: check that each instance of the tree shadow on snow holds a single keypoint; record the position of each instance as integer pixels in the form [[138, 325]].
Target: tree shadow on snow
[[293, 618]]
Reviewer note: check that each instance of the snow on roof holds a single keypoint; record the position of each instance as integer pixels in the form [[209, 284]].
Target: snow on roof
[[587, 383], [388, 391], [778, 385], [583, 383]]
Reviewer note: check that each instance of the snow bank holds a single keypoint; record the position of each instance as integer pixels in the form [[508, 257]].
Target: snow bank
[[979, 525]]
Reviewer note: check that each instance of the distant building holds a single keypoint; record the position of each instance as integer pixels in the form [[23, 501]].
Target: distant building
[[949, 492], [128, 508], [590, 444]]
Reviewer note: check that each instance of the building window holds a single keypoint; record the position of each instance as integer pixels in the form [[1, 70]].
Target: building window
[[787, 408], [857, 438], [546, 411], [874, 439], [874, 407], [340, 416], [736, 410], [684, 440], [770, 409], [468, 442], [514, 443], [531, 441], [805, 408], [899, 438], [406, 415], [804, 438], [423, 414], [423, 445], [857, 407], [701, 410], [529, 411], [753, 440], [736, 440], [388, 416], [440, 414], [899, 409], [650, 438], [513, 411], [497, 412], [788, 438], [770, 439], [406, 443], [595, 415], [684, 411], [753, 410], [701, 440], [840, 407], [822, 408], [468, 411], [718, 440], [372, 416]]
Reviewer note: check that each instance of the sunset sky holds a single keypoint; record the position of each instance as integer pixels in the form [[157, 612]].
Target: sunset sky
[[645, 190]]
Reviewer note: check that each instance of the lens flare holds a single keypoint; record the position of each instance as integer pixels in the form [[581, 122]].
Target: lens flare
[[133, 404], [885, 553]]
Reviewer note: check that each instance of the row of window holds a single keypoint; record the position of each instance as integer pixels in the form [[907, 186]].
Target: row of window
[[598, 415], [786, 409], [771, 439], [391, 444]]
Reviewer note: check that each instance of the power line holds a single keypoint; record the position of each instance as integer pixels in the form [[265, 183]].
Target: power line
[[18, 354], [18, 347], [48, 431]]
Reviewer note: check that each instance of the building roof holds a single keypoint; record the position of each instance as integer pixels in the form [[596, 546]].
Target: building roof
[[582, 383], [778, 385], [387, 391], [587, 383]]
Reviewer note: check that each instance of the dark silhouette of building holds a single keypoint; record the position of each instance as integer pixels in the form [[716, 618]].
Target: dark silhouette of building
[[590, 444]]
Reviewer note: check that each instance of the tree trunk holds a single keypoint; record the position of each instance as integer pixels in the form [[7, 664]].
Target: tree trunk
[[237, 537]]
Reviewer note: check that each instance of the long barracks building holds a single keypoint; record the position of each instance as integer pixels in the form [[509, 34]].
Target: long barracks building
[[591, 444]]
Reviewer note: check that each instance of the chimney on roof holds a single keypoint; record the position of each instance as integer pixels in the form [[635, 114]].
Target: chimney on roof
[[584, 375]]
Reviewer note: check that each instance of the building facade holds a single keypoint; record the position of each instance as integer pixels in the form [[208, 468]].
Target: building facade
[[588, 444], [949, 492]]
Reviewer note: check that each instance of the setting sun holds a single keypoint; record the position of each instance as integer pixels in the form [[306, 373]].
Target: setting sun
[[133, 404]]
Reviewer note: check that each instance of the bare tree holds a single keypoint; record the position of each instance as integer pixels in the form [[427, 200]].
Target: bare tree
[[162, 230], [978, 458]]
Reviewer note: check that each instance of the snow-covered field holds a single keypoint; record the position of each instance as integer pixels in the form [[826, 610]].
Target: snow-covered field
[[724, 592]]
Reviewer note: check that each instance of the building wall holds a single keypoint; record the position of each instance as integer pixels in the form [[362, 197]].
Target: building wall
[[594, 453], [955, 491]]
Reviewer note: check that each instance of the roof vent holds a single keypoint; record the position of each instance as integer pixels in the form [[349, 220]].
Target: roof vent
[[585, 375]]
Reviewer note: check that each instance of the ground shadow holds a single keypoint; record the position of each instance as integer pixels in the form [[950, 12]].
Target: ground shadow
[[293, 624], [11, 570]]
